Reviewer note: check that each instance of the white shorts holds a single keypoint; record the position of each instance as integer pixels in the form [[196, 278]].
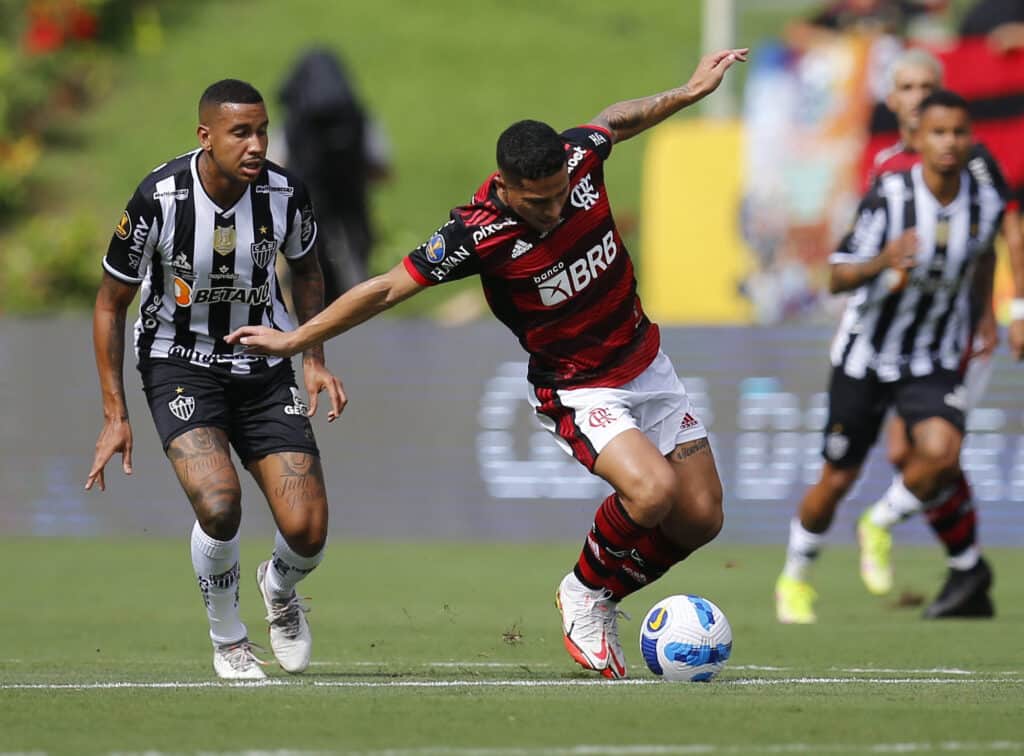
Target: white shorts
[[584, 420]]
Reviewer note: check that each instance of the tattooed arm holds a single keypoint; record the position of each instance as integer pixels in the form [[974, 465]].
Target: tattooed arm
[[108, 321], [308, 295], [628, 118]]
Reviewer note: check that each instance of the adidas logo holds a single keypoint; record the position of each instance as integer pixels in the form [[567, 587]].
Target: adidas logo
[[520, 248]]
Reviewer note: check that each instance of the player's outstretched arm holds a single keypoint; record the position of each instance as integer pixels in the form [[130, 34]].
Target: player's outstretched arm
[[355, 306], [108, 322], [628, 118]]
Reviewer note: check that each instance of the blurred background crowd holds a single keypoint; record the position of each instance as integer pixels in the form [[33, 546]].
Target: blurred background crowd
[[392, 123]]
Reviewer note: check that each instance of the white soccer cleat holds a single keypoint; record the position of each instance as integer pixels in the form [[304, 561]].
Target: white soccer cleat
[[590, 623], [236, 661], [290, 638]]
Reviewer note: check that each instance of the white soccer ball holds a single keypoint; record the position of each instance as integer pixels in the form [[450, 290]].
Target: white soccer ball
[[685, 638]]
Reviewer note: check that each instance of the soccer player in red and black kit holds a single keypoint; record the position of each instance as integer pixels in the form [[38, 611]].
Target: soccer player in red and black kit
[[915, 75], [540, 234]]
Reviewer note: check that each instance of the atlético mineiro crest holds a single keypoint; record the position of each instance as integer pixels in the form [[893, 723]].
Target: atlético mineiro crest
[[263, 252], [182, 406]]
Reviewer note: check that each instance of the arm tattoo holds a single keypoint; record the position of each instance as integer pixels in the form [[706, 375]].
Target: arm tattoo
[[308, 295], [630, 117], [688, 450]]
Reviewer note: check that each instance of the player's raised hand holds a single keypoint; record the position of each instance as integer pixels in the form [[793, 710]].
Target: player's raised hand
[[115, 437], [711, 69], [318, 378], [262, 340]]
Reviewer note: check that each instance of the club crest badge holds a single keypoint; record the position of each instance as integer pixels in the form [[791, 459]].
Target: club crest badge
[[182, 406]]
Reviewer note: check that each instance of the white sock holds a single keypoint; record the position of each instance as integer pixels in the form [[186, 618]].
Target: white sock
[[966, 559], [896, 505], [287, 568], [216, 566], [802, 550]]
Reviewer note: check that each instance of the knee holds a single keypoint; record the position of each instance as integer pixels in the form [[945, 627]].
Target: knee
[[651, 498], [219, 515], [308, 543], [837, 481], [706, 515]]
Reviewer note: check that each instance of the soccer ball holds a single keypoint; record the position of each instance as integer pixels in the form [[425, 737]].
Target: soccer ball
[[685, 638]]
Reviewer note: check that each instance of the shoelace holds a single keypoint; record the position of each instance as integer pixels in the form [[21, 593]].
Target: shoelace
[[286, 615], [240, 656]]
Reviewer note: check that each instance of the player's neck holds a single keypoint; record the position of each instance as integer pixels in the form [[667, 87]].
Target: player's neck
[[222, 189], [943, 186]]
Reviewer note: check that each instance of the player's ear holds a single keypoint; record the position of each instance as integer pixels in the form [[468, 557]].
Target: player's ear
[[203, 134]]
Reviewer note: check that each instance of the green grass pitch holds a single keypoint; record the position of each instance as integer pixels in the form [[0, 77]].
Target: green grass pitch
[[456, 648]]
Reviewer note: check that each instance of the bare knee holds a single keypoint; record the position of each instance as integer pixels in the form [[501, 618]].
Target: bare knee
[[306, 543], [219, 513], [706, 516], [650, 498]]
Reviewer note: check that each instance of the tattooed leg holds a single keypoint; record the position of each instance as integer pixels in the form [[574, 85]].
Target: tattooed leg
[[202, 461], [293, 483]]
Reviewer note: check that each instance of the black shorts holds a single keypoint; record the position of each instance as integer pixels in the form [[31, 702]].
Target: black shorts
[[857, 407], [261, 413]]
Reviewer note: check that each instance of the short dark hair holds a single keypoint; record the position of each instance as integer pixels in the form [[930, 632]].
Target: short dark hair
[[230, 90], [943, 98], [530, 150]]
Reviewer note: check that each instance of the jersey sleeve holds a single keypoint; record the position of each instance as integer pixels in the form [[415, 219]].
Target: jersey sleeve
[[596, 138], [134, 239], [448, 255], [866, 237], [985, 169], [302, 226]]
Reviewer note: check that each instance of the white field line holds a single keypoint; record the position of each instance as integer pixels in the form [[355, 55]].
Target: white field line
[[946, 746], [188, 685]]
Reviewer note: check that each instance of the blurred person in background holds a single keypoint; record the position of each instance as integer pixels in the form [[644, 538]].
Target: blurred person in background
[[915, 75], [201, 236], [338, 150], [1001, 21], [540, 234], [911, 265]]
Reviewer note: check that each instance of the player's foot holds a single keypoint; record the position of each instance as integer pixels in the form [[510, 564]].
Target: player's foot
[[290, 638], [875, 552], [236, 661], [794, 601], [590, 623], [965, 594]]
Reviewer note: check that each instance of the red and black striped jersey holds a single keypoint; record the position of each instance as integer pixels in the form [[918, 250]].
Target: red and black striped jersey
[[570, 295]]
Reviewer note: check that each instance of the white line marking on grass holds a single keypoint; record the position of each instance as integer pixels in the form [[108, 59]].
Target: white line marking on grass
[[948, 746], [440, 664], [187, 685]]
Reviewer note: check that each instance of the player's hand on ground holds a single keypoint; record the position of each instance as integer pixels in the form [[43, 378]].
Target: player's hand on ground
[[1016, 339], [262, 340], [711, 69], [318, 378], [115, 437]]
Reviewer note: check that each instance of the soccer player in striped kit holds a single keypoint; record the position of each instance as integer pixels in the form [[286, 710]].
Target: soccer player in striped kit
[[911, 264], [540, 235], [201, 237], [915, 75]]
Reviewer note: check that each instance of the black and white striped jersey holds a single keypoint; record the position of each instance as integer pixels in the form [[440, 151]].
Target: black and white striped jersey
[[207, 270], [895, 327]]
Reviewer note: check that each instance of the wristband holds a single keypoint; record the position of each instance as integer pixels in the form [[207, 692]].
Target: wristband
[[1017, 308]]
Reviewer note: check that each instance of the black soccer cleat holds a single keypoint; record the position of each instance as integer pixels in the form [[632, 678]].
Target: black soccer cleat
[[965, 594]]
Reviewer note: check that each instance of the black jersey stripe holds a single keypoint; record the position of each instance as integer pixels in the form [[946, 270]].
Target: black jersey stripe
[[892, 304], [183, 249]]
